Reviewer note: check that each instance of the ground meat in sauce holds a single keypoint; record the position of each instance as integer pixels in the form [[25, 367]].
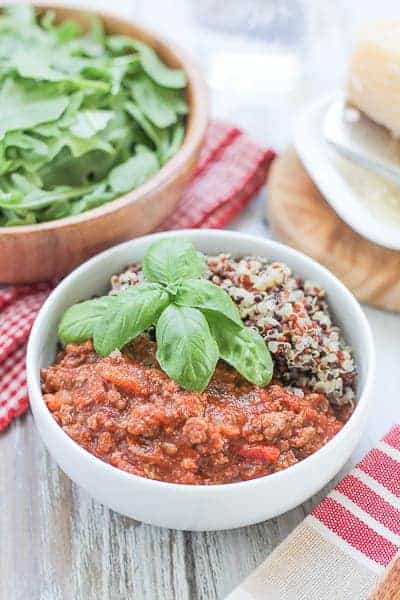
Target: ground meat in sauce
[[127, 412]]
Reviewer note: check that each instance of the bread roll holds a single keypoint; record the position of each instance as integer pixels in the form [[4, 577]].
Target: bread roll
[[373, 83]]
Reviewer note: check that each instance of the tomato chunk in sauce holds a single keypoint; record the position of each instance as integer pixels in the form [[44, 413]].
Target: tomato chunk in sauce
[[127, 412]]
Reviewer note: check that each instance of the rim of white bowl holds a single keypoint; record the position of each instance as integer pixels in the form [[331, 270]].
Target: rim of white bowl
[[36, 397]]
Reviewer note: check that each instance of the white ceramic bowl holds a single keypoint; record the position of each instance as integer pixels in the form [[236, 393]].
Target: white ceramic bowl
[[184, 506]]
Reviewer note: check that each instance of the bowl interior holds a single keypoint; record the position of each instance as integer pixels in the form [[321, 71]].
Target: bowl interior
[[196, 121], [92, 278]]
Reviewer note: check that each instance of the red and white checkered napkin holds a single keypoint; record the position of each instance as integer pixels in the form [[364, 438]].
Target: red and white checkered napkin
[[18, 306], [347, 548], [232, 168]]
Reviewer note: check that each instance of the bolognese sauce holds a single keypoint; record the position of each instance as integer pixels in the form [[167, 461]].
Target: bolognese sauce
[[127, 412]]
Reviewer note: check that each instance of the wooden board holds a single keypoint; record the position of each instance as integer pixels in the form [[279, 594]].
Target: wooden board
[[300, 217]]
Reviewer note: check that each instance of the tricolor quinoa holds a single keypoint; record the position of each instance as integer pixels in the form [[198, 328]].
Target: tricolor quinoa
[[292, 314]]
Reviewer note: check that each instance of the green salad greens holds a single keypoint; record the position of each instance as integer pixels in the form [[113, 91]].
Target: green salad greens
[[84, 117], [196, 321]]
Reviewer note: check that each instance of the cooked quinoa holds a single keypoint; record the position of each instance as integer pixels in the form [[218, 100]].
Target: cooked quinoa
[[291, 314]]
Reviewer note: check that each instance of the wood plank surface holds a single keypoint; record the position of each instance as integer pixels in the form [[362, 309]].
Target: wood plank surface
[[57, 543]]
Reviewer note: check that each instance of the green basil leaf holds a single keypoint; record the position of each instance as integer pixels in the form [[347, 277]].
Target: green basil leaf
[[133, 311], [78, 322], [242, 348], [135, 171], [203, 294], [172, 260], [186, 350]]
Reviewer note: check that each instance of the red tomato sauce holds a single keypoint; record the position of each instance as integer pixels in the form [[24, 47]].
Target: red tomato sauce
[[127, 412]]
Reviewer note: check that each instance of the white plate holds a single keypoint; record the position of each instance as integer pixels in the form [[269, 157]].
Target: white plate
[[315, 155]]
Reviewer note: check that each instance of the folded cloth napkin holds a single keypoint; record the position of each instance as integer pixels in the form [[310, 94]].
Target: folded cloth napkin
[[231, 169], [341, 550]]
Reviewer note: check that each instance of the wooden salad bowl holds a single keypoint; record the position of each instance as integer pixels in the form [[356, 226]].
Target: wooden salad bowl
[[50, 250]]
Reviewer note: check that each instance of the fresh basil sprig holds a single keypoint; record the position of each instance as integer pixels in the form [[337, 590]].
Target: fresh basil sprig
[[196, 321], [131, 313], [186, 350], [242, 348], [172, 261]]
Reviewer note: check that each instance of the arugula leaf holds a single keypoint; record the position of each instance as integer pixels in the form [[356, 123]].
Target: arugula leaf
[[90, 122], [186, 350], [55, 211], [23, 109], [134, 171], [80, 146], [22, 140], [157, 109], [204, 295], [35, 65], [242, 348], [23, 183], [38, 198], [119, 44], [73, 107], [67, 30], [174, 98], [66, 169], [152, 65], [157, 70], [78, 322], [119, 69], [23, 13], [10, 200], [172, 144], [172, 260], [94, 198], [132, 312], [158, 136], [12, 219]]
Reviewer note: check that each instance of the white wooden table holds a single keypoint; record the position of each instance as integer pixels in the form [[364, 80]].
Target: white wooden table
[[56, 542]]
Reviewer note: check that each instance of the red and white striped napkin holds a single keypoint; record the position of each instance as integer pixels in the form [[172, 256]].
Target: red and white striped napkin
[[231, 169], [341, 550]]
